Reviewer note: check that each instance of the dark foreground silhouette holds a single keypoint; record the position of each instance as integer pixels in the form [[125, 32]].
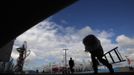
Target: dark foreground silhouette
[[92, 45]]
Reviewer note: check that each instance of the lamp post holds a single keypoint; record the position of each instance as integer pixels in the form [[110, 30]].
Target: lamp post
[[65, 61]]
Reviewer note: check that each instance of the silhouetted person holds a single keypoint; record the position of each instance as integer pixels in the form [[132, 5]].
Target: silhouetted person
[[130, 68], [93, 45], [71, 65], [43, 71], [37, 71]]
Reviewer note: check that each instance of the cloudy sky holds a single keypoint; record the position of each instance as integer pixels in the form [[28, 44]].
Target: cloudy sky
[[110, 20]]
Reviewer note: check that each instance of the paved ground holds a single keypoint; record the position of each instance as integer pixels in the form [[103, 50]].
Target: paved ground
[[117, 73]]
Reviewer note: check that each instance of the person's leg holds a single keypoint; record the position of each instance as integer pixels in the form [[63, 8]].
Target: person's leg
[[99, 55], [95, 64], [71, 68], [106, 63]]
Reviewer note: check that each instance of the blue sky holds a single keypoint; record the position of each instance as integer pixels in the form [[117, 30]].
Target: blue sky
[[115, 15], [112, 21]]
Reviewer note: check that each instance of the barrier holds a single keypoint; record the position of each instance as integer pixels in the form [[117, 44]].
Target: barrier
[[117, 53]]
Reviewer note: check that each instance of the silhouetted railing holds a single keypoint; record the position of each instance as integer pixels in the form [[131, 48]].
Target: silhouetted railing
[[117, 53]]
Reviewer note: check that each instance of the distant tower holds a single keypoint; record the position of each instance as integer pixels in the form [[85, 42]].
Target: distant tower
[[23, 53]]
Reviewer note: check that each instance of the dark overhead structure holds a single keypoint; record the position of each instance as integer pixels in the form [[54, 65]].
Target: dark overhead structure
[[20, 15]]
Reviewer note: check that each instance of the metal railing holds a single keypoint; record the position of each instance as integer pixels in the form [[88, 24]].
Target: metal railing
[[117, 53]]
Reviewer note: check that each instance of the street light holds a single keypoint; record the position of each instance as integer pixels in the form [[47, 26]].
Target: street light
[[65, 61], [65, 57]]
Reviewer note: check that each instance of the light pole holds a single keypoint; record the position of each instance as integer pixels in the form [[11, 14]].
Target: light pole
[[65, 57], [65, 60]]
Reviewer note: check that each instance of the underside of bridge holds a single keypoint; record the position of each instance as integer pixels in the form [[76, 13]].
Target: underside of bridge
[[20, 15]]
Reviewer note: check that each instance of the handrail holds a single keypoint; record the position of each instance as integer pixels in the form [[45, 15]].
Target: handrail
[[115, 50]]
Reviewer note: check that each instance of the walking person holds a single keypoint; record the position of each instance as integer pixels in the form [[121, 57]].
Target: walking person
[[71, 65], [93, 46]]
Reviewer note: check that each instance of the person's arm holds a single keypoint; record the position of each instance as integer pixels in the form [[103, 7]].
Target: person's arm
[[87, 45], [73, 63], [88, 49], [69, 62]]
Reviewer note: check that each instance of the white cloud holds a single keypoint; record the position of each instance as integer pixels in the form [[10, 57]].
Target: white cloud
[[125, 41], [105, 38], [126, 45], [104, 34], [47, 40]]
